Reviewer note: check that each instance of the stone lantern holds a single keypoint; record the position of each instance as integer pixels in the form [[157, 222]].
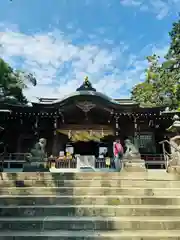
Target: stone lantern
[[175, 127]]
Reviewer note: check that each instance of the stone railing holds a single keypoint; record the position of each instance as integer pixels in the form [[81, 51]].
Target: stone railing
[[17, 161], [13, 160]]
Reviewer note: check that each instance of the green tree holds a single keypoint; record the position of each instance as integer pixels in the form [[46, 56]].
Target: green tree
[[173, 59], [162, 83], [13, 82]]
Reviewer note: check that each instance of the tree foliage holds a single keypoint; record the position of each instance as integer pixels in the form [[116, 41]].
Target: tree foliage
[[13, 82], [162, 83]]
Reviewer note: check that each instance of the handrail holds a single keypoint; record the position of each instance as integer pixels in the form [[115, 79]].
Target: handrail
[[162, 142], [167, 155]]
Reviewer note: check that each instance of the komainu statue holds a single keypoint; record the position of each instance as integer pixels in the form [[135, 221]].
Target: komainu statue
[[131, 151], [132, 159], [38, 151], [37, 157]]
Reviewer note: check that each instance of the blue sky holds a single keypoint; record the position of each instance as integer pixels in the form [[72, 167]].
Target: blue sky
[[62, 41]]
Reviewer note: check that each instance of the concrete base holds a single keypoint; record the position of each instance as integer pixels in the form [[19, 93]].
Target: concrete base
[[34, 167], [174, 169], [135, 165]]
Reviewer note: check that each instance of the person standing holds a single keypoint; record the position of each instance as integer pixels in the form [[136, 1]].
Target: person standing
[[118, 154]]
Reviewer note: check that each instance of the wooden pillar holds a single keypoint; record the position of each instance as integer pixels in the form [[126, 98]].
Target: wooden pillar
[[117, 128], [36, 128], [136, 133], [55, 150], [21, 135]]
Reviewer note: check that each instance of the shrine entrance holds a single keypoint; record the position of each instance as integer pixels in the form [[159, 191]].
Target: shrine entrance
[[86, 140], [86, 148]]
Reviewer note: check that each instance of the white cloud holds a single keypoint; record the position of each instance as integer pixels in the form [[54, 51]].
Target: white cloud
[[60, 66], [130, 2], [161, 8]]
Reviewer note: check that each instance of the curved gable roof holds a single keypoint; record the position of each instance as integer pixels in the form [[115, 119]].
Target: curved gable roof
[[86, 93]]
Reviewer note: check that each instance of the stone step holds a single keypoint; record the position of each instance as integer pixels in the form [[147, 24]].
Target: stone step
[[89, 223], [88, 199], [126, 183], [148, 175], [89, 210], [91, 235], [78, 191]]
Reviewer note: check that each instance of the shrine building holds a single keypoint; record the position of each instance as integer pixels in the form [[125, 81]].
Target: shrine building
[[86, 119]]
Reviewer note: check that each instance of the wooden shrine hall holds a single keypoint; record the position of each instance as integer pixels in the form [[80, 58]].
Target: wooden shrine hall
[[87, 119]]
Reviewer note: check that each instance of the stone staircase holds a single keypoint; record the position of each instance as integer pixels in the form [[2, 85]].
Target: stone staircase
[[126, 206]]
